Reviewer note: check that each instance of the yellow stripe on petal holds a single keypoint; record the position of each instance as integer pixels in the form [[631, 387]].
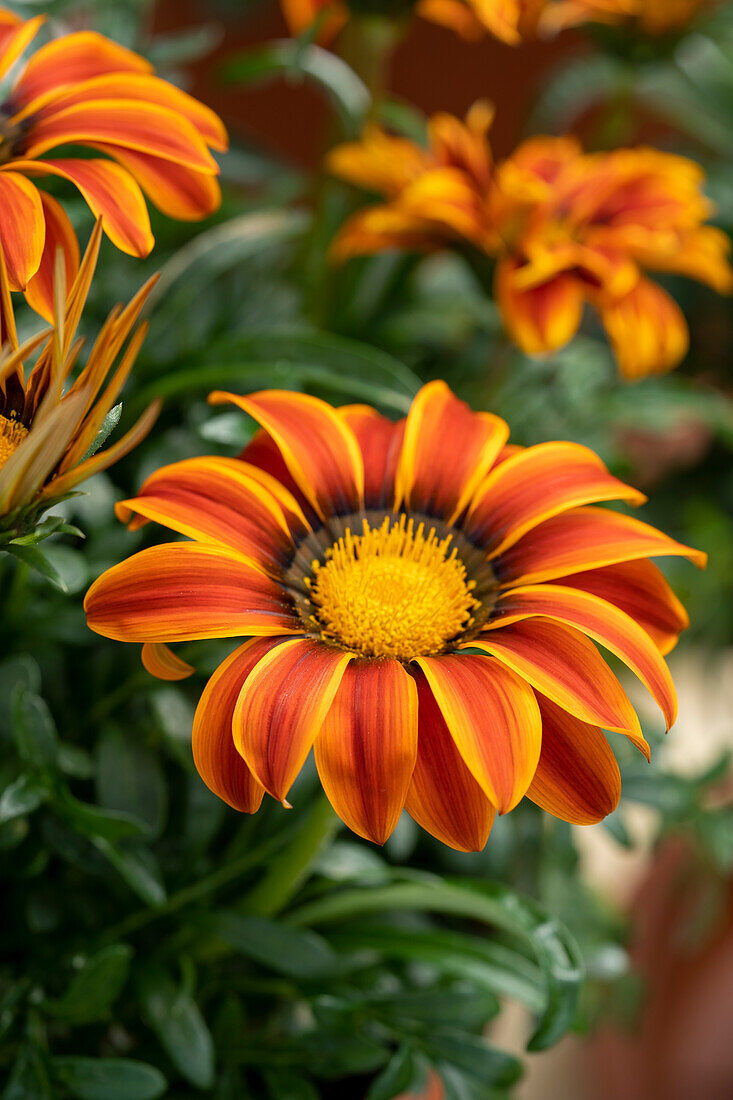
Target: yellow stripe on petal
[[163, 663], [22, 228]]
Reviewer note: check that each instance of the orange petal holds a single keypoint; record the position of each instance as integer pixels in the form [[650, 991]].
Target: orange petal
[[319, 449], [163, 663], [59, 235], [603, 622], [647, 330], [215, 500], [111, 193], [535, 484], [175, 190], [262, 453], [22, 228], [380, 442], [443, 797], [639, 589], [494, 720], [564, 666], [214, 754], [586, 538], [137, 86], [282, 707], [474, 19], [128, 123], [183, 591], [447, 451], [15, 35], [72, 58], [367, 746], [542, 318], [577, 778]]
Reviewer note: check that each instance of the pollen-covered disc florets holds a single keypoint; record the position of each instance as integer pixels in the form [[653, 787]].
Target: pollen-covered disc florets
[[397, 590], [12, 434]]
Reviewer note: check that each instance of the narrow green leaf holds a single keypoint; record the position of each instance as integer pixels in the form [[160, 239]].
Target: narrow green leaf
[[33, 729], [109, 424], [403, 1073], [130, 780], [138, 867], [22, 797], [29, 1077], [92, 992], [33, 557], [272, 944]]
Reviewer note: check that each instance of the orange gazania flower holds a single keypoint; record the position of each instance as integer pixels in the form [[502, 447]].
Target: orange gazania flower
[[582, 228], [50, 425], [568, 228], [652, 16], [419, 602], [83, 89]]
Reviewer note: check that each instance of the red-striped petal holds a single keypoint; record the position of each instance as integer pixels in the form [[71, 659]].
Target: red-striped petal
[[494, 720], [59, 235], [174, 189], [215, 500], [183, 591], [565, 666], [217, 761], [639, 589], [443, 797], [535, 484], [22, 228], [380, 442], [129, 123], [447, 451], [541, 318], [72, 58], [263, 453], [577, 778], [319, 449], [15, 35], [587, 538], [163, 663], [614, 629], [110, 192], [282, 707], [366, 749]]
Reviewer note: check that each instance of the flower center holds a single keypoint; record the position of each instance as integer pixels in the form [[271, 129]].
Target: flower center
[[12, 434], [396, 590]]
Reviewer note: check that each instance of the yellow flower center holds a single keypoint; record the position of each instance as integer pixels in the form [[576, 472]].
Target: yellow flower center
[[12, 434], [394, 591]]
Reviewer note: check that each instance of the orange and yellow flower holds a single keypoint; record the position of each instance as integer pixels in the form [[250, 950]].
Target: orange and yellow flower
[[567, 229], [419, 602], [651, 16], [83, 89], [49, 427]]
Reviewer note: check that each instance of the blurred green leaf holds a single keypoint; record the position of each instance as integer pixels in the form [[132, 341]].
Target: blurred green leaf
[[94, 989], [138, 867], [286, 950], [130, 780], [33, 729], [403, 1073], [108, 1078], [29, 1078], [175, 1018], [21, 797]]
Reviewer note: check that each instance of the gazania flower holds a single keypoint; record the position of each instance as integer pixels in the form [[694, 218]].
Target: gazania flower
[[418, 603], [583, 228], [83, 89], [568, 229], [435, 196], [50, 426], [652, 16]]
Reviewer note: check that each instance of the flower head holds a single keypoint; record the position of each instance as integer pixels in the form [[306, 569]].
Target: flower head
[[651, 16], [567, 229], [419, 601], [50, 426], [83, 89]]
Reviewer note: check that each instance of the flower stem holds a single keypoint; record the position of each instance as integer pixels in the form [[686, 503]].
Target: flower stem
[[290, 869]]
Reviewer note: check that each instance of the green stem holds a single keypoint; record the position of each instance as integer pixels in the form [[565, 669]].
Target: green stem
[[292, 867]]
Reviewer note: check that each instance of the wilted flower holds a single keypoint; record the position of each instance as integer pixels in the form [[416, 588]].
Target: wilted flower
[[418, 600], [568, 229], [50, 427], [83, 89]]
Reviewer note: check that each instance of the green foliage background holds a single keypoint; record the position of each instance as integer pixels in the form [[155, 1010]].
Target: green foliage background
[[153, 941]]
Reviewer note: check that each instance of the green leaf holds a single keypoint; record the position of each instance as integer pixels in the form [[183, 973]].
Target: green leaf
[[284, 1085], [92, 992], [37, 560], [553, 946], [138, 867], [34, 729], [272, 944], [299, 62], [29, 1077], [130, 780], [108, 1078], [109, 424], [175, 1018], [94, 822], [22, 797], [403, 1073], [472, 1055]]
